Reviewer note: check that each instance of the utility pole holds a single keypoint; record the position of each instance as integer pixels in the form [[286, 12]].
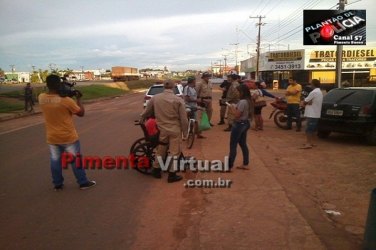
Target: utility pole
[[258, 44], [236, 55], [82, 73], [341, 6], [225, 59]]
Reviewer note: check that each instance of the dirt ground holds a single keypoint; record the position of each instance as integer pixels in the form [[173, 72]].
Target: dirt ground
[[338, 175], [284, 202]]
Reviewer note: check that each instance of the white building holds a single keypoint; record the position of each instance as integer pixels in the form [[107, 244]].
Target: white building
[[17, 76]]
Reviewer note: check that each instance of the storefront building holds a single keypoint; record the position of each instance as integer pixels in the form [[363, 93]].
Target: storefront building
[[358, 66]]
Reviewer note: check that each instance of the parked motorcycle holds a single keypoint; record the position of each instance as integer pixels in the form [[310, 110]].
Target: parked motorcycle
[[279, 113]]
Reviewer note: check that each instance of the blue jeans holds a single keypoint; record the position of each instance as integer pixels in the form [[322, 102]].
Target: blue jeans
[[311, 125], [293, 111], [56, 151], [239, 136]]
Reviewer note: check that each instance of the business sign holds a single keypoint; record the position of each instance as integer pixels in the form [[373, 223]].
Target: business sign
[[334, 27], [351, 58], [282, 60]]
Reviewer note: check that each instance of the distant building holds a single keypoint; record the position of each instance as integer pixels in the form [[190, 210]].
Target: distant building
[[17, 76]]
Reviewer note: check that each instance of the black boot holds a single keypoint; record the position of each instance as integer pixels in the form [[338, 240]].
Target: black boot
[[221, 122], [156, 173], [173, 177], [228, 128]]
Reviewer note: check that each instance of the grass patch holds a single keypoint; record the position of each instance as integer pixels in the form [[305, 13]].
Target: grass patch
[[14, 100], [9, 105], [140, 84], [98, 91], [19, 94]]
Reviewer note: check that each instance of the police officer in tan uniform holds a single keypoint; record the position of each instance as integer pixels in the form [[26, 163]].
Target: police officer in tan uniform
[[169, 111], [232, 97], [204, 94]]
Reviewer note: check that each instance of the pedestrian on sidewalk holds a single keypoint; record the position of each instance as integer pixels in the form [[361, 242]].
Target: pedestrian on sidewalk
[[62, 137], [242, 114], [313, 104], [29, 102], [293, 94]]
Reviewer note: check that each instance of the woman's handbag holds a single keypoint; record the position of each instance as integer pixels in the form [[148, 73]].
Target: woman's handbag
[[260, 100]]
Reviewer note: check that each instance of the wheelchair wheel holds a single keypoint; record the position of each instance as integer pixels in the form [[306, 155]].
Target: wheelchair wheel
[[144, 154], [137, 143]]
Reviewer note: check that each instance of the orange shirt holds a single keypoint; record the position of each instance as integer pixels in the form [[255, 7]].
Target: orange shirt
[[58, 113]]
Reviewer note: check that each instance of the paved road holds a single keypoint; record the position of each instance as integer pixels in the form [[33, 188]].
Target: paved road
[[33, 216]]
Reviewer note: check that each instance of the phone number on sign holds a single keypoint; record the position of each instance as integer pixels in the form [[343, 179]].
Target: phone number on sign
[[286, 66]]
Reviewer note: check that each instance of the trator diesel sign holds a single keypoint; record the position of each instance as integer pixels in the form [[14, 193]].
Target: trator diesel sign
[[334, 27], [351, 58]]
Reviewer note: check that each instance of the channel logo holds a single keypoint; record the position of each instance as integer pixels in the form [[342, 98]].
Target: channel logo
[[334, 27]]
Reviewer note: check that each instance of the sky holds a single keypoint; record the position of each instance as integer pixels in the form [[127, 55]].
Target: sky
[[180, 34]]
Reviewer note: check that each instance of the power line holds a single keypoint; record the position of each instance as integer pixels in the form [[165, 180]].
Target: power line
[[291, 18]]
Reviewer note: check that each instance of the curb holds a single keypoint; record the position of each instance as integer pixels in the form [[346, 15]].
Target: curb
[[11, 116], [21, 114]]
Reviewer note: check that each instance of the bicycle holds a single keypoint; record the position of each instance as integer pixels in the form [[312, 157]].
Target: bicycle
[[191, 111]]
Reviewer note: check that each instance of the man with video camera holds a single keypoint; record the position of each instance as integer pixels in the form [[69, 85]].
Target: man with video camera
[[62, 137]]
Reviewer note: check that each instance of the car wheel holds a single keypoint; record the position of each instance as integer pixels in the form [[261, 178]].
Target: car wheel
[[323, 134], [371, 137]]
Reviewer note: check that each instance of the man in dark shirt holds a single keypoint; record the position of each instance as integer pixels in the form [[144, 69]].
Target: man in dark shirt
[[29, 97]]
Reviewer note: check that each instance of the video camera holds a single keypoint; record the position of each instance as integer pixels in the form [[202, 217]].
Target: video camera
[[66, 89]]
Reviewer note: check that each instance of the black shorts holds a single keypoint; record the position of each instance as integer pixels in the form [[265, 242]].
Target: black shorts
[[258, 110]]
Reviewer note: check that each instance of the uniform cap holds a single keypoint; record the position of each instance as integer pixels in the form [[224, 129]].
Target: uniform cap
[[205, 74]]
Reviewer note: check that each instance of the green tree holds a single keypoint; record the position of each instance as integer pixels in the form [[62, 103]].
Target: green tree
[[43, 74], [1, 72], [35, 77]]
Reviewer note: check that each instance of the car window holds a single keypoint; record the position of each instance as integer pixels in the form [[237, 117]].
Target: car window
[[155, 90], [176, 90], [349, 96], [159, 89]]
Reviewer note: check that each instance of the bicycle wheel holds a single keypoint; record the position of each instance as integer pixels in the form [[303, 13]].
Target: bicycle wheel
[[136, 143], [191, 135], [144, 157]]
